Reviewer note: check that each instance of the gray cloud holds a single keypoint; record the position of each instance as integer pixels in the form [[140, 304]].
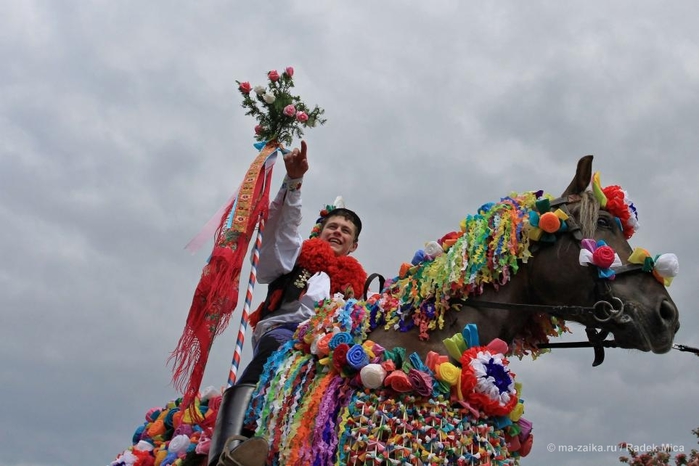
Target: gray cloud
[[121, 134]]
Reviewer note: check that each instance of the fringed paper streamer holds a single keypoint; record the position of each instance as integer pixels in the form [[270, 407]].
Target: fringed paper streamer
[[216, 295]]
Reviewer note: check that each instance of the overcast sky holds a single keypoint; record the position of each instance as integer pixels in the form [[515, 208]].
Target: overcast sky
[[121, 133]]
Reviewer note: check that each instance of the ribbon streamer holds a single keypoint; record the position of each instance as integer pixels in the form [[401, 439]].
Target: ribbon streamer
[[216, 295]]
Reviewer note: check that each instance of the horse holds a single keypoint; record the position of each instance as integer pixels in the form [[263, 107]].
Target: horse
[[418, 373], [368, 381]]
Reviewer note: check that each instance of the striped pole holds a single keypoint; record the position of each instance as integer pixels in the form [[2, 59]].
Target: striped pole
[[245, 316]]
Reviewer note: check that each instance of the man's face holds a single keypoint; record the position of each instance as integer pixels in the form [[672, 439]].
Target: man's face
[[339, 233]]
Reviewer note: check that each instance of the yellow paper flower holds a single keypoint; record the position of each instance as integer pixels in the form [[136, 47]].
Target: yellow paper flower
[[448, 372]]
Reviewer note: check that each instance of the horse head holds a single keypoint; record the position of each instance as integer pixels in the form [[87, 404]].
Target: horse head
[[515, 271], [629, 303]]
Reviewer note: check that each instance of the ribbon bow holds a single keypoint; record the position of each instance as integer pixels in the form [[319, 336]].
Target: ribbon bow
[[545, 224], [664, 267], [599, 254]]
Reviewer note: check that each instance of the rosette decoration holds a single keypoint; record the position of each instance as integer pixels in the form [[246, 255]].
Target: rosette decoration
[[616, 201], [544, 224], [599, 254], [486, 380], [664, 267]]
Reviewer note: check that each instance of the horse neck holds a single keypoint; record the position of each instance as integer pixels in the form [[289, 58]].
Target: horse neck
[[499, 323]]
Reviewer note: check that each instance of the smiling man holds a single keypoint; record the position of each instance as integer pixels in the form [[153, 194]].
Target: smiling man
[[299, 273]]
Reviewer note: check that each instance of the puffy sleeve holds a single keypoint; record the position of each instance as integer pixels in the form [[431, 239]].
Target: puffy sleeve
[[281, 241]]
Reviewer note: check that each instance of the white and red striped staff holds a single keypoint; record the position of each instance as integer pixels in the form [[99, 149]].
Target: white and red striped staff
[[245, 315]]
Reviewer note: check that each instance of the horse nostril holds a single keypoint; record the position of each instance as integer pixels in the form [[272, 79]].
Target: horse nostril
[[668, 311]]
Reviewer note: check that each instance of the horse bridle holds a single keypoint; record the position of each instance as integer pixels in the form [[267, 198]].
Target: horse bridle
[[602, 311]]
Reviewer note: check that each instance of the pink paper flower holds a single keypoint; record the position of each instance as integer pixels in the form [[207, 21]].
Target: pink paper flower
[[273, 76], [302, 117], [258, 129], [289, 110], [245, 87], [289, 71]]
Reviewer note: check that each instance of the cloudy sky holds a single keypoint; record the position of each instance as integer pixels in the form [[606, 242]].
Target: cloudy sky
[[121, 134]]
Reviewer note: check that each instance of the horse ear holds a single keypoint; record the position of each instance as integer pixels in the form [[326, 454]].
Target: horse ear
[[582, 177]]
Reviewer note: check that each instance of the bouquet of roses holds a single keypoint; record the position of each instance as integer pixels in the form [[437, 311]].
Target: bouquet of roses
[[281, 115]]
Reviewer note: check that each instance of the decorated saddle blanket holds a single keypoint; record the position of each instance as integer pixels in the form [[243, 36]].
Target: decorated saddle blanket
[[333, 397]]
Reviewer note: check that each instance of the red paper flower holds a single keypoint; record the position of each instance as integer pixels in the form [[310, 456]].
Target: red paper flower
[[603, 257]]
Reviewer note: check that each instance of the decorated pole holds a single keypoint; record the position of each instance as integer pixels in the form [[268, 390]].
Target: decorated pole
[[245, 315]]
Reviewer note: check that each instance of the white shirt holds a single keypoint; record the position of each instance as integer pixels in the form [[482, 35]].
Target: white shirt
[[281, 245]]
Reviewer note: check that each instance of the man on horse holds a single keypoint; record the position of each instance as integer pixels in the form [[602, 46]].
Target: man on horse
[[299, 273]]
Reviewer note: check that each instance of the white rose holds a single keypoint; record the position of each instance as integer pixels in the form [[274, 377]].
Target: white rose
[[372, 375], [667, 265], [142, 445], [259, 90], [179, 444], [269, 98], [433, 249]]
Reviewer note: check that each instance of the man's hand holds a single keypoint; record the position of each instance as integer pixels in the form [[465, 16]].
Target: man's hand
[[296, 162]]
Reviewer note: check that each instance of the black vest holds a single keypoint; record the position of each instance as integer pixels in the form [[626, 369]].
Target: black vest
[[284, 289]]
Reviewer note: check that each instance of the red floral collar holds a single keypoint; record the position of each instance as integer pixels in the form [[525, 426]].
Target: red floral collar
[[347, 276]]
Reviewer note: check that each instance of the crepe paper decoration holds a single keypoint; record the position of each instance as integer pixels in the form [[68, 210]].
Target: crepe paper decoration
[[597, 190], [486, 381], [599, 254], [616, 201], [664, 267], [372, 375], [470, 334], [545, 224]]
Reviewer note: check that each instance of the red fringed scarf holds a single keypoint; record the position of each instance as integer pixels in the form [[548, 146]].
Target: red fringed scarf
[[347, 276], [216, 295]]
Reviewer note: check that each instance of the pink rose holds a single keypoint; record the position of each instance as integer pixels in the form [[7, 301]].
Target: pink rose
[[302, 117], [245, 87], [273, 75], [289, 110], [603, 257], [258, 129], [289, 71]]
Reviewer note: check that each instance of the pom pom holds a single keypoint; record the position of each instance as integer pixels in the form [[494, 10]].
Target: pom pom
[[549, 222], [372, 375], [667, 265]]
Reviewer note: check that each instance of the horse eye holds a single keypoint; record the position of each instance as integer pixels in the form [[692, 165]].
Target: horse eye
[[603, 222]]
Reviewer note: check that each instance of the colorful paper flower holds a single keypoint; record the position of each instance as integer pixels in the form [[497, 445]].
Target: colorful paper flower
[[664, 267], [599, 254], [543, 224], [486, 381], [616, 201], [373, 375]]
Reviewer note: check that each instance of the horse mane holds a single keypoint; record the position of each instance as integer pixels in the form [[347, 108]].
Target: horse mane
[[488, 250], [588, 213]]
